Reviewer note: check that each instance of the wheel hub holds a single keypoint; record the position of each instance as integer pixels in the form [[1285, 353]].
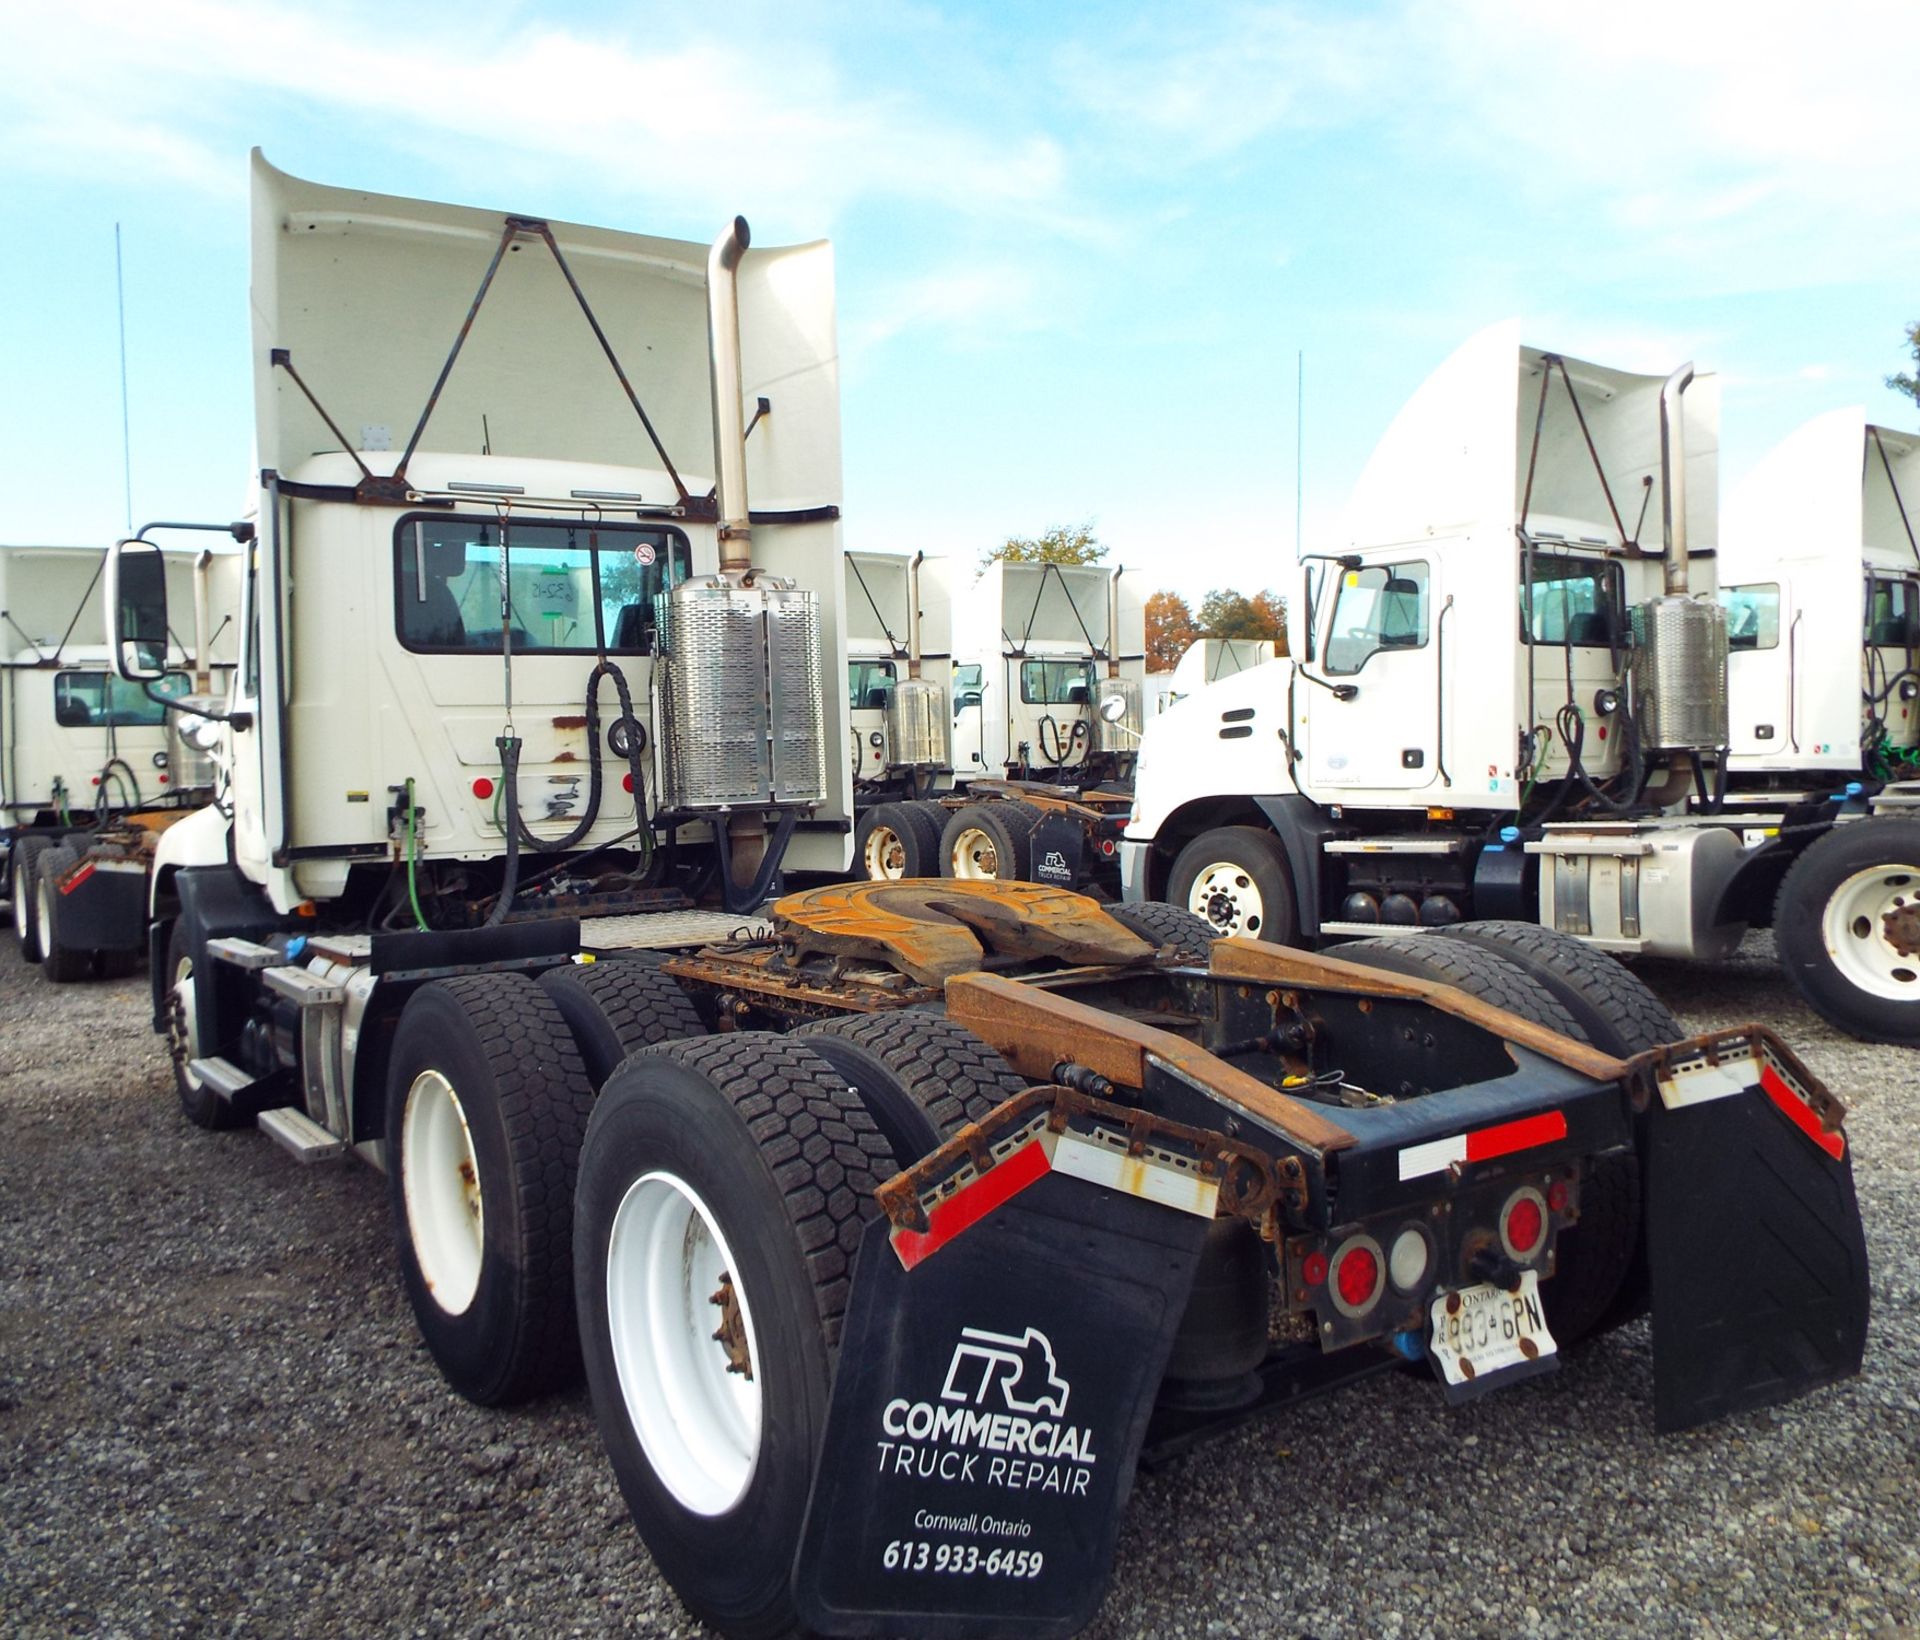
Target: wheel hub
[[1901, 928], [731, 1334]]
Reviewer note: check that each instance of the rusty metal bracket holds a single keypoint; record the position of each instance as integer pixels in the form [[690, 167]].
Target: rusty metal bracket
[[1250, 1182]]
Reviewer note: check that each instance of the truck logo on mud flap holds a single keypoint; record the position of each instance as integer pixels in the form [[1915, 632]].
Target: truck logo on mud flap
[[1023, 1368], [1054, 868]]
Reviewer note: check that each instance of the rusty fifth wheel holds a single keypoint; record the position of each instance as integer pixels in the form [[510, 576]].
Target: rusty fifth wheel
[[723, 1193]]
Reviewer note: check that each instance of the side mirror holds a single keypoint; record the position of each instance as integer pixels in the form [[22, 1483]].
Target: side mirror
[[136, 600]]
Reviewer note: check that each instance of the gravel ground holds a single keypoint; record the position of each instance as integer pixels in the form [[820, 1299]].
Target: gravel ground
[[215, 1417]]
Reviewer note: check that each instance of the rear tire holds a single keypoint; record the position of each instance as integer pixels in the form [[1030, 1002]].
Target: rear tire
[[1596, 1254], [921, 1076], [486, 1104], [26, 855], [1615, 1008], [62, 963], [743, 1157], [615, 1008], [1162, 926], [989, 842], [1237, 879], [895, 841], [1847, 927]]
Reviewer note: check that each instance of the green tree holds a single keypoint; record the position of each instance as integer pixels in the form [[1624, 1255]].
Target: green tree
[[1228, 614], [1063, 544], [1903, 383], [1170, 630]]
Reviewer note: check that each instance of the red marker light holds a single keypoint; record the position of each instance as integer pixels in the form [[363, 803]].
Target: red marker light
[[1313, 1269], [1525, 1224], [1557, 1195], [483, 788], [1357, 1277], [626, 783]]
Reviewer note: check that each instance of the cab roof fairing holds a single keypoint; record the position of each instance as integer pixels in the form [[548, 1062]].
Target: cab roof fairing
[[367, 293], [1455, 459]]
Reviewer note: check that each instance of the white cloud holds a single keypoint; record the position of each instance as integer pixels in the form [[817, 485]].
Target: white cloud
[[977, 303], [685, 124]]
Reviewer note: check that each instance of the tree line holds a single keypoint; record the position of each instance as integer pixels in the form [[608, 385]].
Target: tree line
[[1172, 623]]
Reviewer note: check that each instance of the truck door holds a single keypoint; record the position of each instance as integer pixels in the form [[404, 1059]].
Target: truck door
[[1377, 641], [1759, 672]]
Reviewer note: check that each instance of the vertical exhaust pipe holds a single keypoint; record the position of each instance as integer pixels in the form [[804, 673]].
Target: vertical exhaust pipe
[[729, 420], [1113, 623], [913, 614], [1673, 476], [202, 624]]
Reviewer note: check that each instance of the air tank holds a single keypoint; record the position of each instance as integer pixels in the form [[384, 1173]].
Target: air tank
[[917, 724], [1679, 674]]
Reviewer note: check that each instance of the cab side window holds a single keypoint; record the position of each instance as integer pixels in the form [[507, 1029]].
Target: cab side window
[[1380, 606]]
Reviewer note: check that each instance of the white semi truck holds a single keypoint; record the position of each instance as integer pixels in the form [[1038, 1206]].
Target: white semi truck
[[86, 756], [1507, 698], [936, 1202], [1031, 781], [1820, 574]]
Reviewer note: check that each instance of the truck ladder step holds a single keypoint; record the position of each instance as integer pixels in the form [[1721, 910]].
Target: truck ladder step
[[301, 986], [1394, 845], [1371, 928], [222, 1075], [243, 953], [304, 1139]]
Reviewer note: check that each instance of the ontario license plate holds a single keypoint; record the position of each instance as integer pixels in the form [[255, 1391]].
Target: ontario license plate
[[1486, 1332]]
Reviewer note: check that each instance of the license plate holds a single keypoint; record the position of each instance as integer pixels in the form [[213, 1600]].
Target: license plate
[[1484, 1330]]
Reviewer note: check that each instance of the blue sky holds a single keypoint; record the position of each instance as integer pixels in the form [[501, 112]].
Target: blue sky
[[1079, 246]]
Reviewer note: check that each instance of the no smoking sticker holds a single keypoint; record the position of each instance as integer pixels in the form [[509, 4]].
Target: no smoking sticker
[[643, 554]]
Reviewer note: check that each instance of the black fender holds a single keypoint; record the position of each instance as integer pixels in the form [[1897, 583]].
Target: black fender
[[216, 902], [1755, 1251], [1302, 827]]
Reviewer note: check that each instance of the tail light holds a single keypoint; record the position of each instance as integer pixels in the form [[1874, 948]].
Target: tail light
[[1523, 1224], [1359, 1275]]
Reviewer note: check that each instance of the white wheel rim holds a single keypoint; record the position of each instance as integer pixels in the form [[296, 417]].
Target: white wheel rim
[[1226, 896], [43, 918], [886, 855], [974, 855], [1854, 926], [697, 1421], [186, 1021], [446, 1218]]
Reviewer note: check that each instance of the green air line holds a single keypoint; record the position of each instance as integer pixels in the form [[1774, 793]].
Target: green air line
[[413, 892]]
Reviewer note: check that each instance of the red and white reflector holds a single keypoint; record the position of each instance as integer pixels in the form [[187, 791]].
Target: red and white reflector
[[1073, 1154], [1483, 1144], [1700, 1081]]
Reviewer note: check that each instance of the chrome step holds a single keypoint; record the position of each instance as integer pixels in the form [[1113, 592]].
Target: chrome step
[[1393, 845], [1371, 928], [244, 953], [303, 986], [304, 1139], [222, 1075]]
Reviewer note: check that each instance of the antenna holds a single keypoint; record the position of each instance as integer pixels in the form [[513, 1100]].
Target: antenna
[[1299, 440], [126, 437]]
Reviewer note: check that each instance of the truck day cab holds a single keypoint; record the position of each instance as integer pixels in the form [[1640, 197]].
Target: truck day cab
[[1507, 697], [889, 1233]]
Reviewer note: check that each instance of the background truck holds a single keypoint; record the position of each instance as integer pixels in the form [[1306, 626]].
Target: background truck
[[88, 759], [1820, 574], [1507, 698], [1204, 661]]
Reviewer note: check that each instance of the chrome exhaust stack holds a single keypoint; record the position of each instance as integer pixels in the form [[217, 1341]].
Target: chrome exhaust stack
[[729, 419]]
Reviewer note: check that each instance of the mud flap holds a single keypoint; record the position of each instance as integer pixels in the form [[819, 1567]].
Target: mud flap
[[1756, 1255], [987, 1414]]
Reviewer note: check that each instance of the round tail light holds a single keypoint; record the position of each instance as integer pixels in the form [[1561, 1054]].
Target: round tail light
[[1523, 1224], [1359, 1274]]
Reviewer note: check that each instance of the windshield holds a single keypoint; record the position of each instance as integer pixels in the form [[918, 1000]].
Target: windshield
[[96, 700]]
